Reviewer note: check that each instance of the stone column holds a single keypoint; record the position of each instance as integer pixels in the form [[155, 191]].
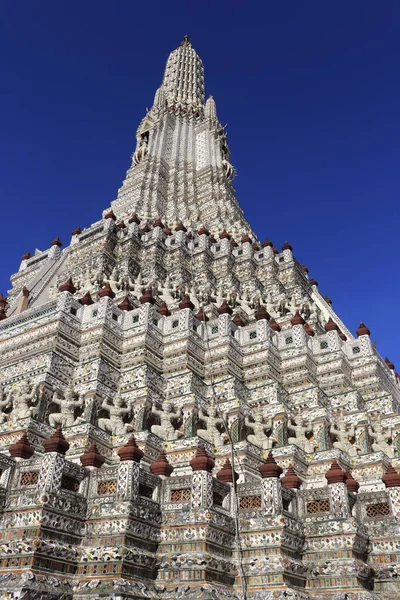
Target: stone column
[[363, 334], [202, 481], [391, 479], [271, 485], [224, 319], [338, 493], [299, 335], [52, 464], [91, 459], [230, 477], [147, 307], [128, 470]]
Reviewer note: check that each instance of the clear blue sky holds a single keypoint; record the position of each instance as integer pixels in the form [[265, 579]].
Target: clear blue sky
[[311, 94]]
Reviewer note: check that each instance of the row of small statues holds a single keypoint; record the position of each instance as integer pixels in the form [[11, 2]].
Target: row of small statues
[[23, 403], [278, 306], [301, 430], [344, 434]]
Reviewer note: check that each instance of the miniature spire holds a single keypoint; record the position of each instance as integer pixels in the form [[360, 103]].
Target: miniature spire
[[86, 300], [110, 215], [274, 325], [134, 219], [335, 474], [267, 243], [211, 109], [126, 304], [160, 99], [297, 319], [262, 314], [226, 474], [224, 309], [290, 479], [130, 451], [158, 223], [201, 460], [363, 330], [270, 468], [161, 466], [22, 449], [203, 231], [389, 363], [146, 228], [309, 330], [201, 315], [106, 292], [56, 442], [237, 319], [68, 286], [186, 303], [351, 484], [147, 297], [163, 309], [92, 457], [187, 42], [391, 478], [331, 325]]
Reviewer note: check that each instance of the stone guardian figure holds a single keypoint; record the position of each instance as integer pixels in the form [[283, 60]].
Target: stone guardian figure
[[5, 401], [67, 404], [382, 438], [258, 437], [165, 430], [211, 434], [300, 428], [23, 400], [343, 434], [115, 423]]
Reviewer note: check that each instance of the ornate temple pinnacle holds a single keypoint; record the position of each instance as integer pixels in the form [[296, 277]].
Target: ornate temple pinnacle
[[186, 42], [193, 187]]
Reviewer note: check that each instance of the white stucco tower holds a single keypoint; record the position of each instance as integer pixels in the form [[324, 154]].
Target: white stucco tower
[[181, 167], [183, 415]]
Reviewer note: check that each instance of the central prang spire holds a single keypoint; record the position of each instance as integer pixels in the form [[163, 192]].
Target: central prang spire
[[181, 170], [184, 76]]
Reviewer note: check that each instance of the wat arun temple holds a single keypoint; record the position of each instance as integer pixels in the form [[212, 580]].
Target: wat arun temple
[[182, 413]]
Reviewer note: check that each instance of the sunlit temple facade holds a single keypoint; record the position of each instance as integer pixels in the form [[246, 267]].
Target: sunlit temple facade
[[183, 414]]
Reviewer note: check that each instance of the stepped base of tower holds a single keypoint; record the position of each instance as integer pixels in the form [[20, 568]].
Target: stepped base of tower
[[119, 530]]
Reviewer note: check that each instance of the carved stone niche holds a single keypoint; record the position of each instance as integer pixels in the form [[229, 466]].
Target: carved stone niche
[[313, 503], [373, 505]]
